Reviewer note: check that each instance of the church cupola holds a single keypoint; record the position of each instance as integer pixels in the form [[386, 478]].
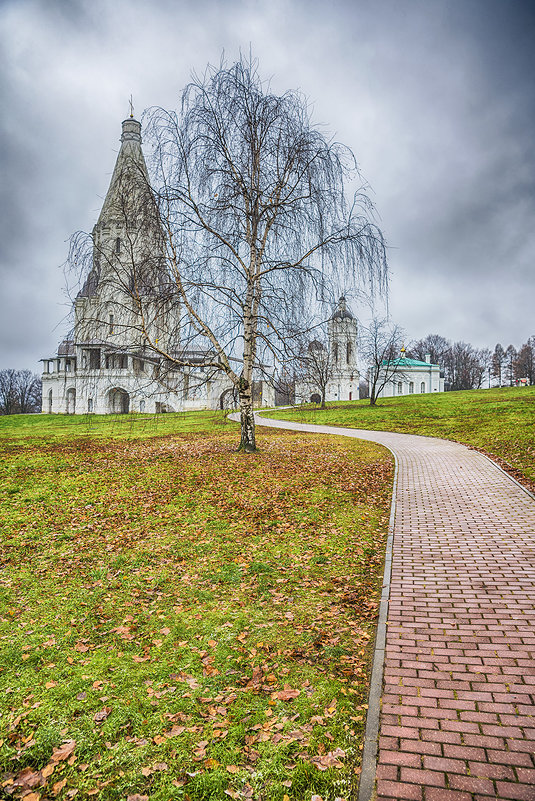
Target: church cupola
[[131, 130]]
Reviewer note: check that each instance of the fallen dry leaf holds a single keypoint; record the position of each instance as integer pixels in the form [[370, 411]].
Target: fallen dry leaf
[[58, 786], [101, 716], [287, 694], [64, 751], [330, 760], [174, 732]]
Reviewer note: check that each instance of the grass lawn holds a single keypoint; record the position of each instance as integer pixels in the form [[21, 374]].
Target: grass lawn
[[180, 621], [499, 422]]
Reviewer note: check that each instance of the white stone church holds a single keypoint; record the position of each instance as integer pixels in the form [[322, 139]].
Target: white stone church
[[337, 361], [105, 366]]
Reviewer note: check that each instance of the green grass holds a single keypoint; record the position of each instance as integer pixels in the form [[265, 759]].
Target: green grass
[[50, 427], [500, 422], [189, 622]]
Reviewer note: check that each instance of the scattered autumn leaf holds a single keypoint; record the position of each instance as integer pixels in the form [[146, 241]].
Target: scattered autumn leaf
[[287, 694], [101, 716], [64, 751], [58, 787]]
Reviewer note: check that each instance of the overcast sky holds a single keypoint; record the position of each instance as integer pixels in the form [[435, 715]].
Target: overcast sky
[[435, 97]]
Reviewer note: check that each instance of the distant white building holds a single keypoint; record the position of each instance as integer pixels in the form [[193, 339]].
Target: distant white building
[[408, 377], [106, 366], [334, 367]]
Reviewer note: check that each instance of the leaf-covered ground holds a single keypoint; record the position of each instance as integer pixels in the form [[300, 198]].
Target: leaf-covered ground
[[179, 621], [499, 422]]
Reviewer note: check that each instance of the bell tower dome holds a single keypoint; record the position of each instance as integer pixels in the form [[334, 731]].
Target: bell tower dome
[[342, 329]]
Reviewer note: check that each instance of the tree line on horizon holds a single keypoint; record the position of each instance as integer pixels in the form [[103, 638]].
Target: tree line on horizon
[[20, 392]]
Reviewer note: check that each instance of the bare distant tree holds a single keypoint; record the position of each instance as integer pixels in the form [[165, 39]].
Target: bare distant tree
[[524, 366], [510, 360], [380, 343], [317, 368], [465, 366], [433, 345], [257, 225], [20, 392], [498, 363]]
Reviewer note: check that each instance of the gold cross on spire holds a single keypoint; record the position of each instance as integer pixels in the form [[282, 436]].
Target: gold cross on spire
[[131, 107]]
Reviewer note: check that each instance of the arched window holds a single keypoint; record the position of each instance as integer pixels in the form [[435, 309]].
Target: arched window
[[110, 330], [422, 387], [118, 245], [348, 352], [71, 401], [50, 401], [400, 388], [411, 387], [335, 353], [90, 405]]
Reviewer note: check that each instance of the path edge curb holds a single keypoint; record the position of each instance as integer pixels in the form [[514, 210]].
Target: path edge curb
[[366, 785], [509, 476], [371, 735]]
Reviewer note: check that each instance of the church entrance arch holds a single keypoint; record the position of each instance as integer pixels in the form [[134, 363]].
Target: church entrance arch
[[118, 401], [229, 399], [71, 401]]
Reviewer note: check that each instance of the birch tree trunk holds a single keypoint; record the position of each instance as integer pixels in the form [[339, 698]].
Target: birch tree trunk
[[247, 421]]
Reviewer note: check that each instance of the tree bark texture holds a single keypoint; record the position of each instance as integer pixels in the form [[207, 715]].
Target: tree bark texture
[[247, 421]]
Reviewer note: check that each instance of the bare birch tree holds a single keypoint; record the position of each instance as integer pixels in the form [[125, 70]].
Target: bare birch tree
[[380, 343], [256, 220]]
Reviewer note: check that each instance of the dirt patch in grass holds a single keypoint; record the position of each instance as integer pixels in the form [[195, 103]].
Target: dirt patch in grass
[[182, 621]]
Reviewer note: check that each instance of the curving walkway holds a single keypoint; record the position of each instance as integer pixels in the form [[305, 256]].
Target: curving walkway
[[457, 694]]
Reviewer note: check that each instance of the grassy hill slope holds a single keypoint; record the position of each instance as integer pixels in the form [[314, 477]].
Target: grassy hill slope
[[178, 620], [499, 422]]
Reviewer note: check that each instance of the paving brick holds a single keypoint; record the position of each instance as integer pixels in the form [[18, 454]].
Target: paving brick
[[438, 794], [421, 747], [491, 771], [399, 790], [447, 765], [516, 792], [526, 776], [453, 737], [399, 758], [472, 784], [522, 745], [501, 731], [464, 752], [510, 758], [425, 778], [387, 772]]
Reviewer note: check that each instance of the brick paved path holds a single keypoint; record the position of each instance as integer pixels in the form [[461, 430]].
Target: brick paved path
[[458, 703]]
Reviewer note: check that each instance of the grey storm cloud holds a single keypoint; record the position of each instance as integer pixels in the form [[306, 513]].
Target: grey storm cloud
[[436, 98]]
